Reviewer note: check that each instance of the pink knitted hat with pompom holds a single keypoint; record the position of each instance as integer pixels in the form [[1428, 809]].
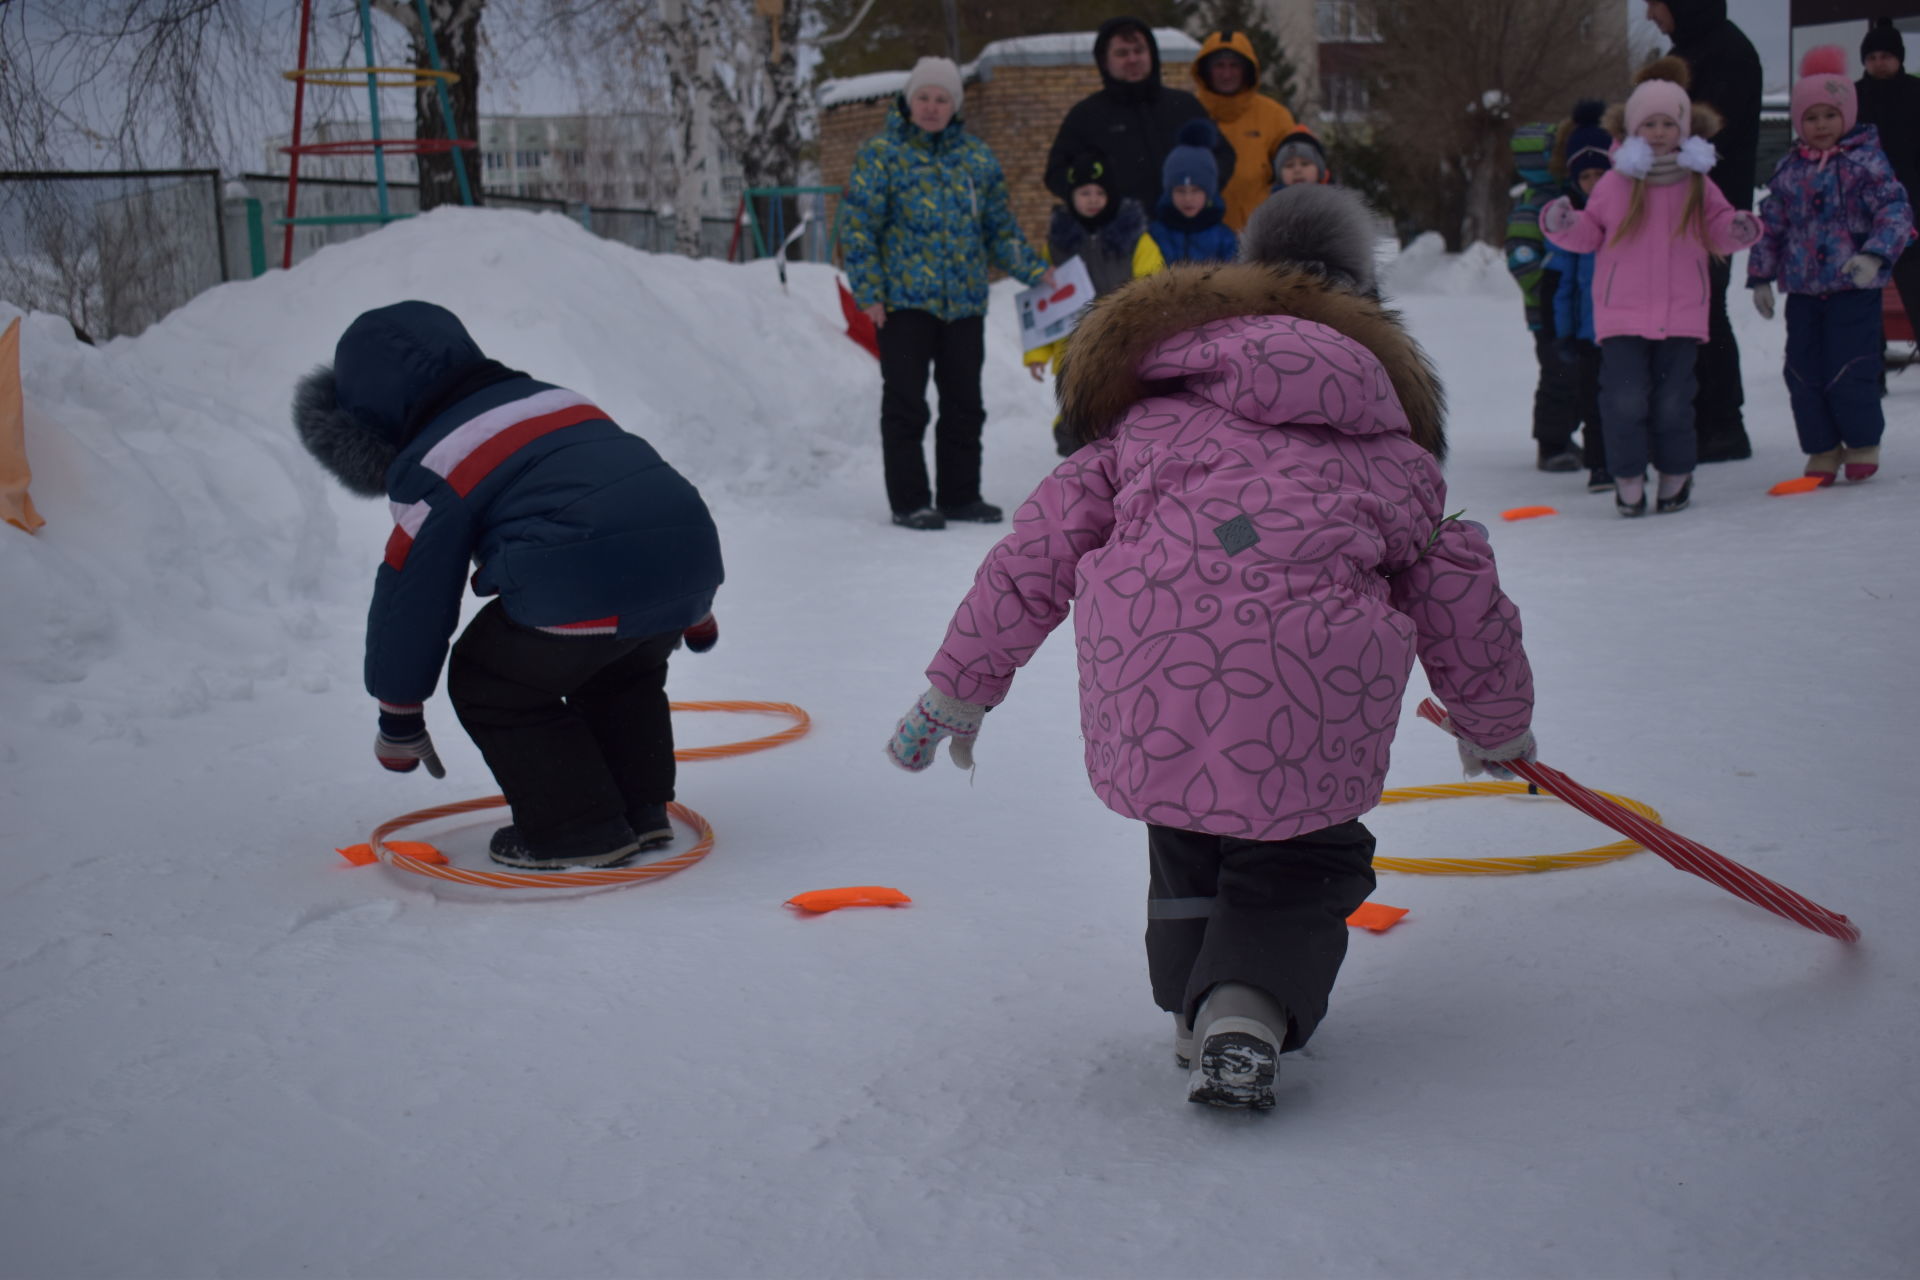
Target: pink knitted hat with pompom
[[1659, 98], [1823, 82]]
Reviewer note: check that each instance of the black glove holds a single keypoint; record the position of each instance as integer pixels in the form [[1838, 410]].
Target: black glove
[[702, 635], [403, 744]]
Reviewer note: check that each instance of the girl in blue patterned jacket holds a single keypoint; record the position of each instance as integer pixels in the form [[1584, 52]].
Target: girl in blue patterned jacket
[[1834, 220]]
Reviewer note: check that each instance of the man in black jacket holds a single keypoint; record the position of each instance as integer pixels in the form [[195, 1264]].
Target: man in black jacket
[[1132, 120], [1890, 102], [1726, 76]]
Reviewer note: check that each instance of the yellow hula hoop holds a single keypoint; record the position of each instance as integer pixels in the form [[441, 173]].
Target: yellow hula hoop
[[1505, 866], [589, 877], [383, 77]]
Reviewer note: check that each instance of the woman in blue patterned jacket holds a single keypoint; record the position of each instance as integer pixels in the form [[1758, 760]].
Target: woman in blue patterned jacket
[[924, 218]]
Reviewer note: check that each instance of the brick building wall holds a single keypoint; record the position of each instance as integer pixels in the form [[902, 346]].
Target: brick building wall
[[1015, 100]]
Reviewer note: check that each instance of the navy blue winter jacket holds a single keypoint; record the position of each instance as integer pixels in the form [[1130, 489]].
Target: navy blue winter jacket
[[578, 526]]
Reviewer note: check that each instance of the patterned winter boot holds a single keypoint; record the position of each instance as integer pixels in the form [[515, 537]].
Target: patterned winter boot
[[1237, 1037], [1860, 463], [1824, 465]]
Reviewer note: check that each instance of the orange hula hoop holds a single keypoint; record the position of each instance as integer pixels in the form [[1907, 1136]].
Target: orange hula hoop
[[589, 877]]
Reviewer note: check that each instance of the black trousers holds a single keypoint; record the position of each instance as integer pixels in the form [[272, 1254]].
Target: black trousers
[[1566, 400], [910, 341], [1906, 279], [575, 728], [1269, 913], [1719, 424]]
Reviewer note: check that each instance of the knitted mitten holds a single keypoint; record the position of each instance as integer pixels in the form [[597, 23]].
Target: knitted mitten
[[1477, 760], [935, 716]]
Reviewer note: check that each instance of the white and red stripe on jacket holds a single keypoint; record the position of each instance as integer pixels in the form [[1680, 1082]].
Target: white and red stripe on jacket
[[469, 454]]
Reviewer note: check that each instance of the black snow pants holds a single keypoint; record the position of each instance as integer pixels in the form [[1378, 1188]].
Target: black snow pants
[[1269, 913], [575, 728]]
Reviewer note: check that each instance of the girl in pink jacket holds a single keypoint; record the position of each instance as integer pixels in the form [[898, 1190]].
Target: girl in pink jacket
[[1255, 546], [1652, 220]]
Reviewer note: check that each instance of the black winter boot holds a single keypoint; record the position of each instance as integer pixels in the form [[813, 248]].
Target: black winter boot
[[921, 518], [975, 512], [509, 848]]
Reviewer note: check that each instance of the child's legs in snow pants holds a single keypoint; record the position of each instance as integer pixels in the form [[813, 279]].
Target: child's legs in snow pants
[[1269, 913], [1646, 405], [575, 728], [1833, 369]]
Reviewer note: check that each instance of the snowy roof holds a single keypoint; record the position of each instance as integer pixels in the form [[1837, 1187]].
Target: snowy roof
[[875, 84], [1052, 50]]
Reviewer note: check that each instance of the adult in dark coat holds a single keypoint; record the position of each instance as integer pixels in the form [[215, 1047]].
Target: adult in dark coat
[[1890, 102], [1725, 73], [1132, 120]]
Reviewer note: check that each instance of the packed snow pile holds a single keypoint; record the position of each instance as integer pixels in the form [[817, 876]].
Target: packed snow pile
[[187, 528], [1424, 266]]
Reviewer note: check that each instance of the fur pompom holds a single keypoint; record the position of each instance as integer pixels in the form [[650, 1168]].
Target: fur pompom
[[1671, 68], [1327, 230], [1827, 60], [1197, 133], [1634, 158], [1697, 154], [357, 456]]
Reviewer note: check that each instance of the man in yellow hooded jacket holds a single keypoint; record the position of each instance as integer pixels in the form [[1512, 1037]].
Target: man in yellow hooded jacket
[[1226, 80]]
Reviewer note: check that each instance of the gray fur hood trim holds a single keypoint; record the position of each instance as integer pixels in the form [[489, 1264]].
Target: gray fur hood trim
[[357, 455]]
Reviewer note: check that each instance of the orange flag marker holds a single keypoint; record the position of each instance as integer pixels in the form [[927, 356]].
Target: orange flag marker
[[1528, 513], [1376, 917], [362, 855], [859, 895], [16, 508], [1799, 484]]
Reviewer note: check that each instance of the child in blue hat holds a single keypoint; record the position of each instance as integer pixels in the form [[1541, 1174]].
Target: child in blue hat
[[1187, 222]]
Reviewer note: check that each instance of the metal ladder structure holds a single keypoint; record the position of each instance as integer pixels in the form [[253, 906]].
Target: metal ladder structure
[[375, 78]]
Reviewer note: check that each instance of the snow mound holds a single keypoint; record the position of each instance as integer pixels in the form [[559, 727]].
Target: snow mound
[[1425, 267], [186, 529]]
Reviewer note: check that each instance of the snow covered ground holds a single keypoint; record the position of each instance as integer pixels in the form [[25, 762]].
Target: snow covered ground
[[223, 1052]]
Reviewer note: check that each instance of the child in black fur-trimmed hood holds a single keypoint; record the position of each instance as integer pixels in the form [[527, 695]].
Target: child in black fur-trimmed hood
[[1109, 236], [602, 559]]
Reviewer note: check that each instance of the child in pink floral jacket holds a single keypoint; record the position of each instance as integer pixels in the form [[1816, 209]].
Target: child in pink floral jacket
[[1255, 546]]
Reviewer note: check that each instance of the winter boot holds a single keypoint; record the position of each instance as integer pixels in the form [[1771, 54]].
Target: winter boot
[[975, 512], [1599, 480], [1558, 460], [1673, 499], [1630, 497], [509, 848], [1237, 1037], [1182, 1041], [1860, 463], [1824, 465], [651, 827], [920, 518]]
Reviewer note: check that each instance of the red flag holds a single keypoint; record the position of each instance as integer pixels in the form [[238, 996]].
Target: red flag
[[859, 323]]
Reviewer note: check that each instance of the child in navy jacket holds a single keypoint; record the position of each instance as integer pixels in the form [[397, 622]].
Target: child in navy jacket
[[1582, 154], [601, 556], [1187, 222]]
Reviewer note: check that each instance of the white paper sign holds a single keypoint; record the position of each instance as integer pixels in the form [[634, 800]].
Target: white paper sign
[[1049, 312]]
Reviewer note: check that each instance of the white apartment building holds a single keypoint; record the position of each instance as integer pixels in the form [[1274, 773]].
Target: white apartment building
[[612, 161]]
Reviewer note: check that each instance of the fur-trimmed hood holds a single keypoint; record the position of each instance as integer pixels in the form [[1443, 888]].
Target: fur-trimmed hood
[[391, 369], [1100, 376]]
